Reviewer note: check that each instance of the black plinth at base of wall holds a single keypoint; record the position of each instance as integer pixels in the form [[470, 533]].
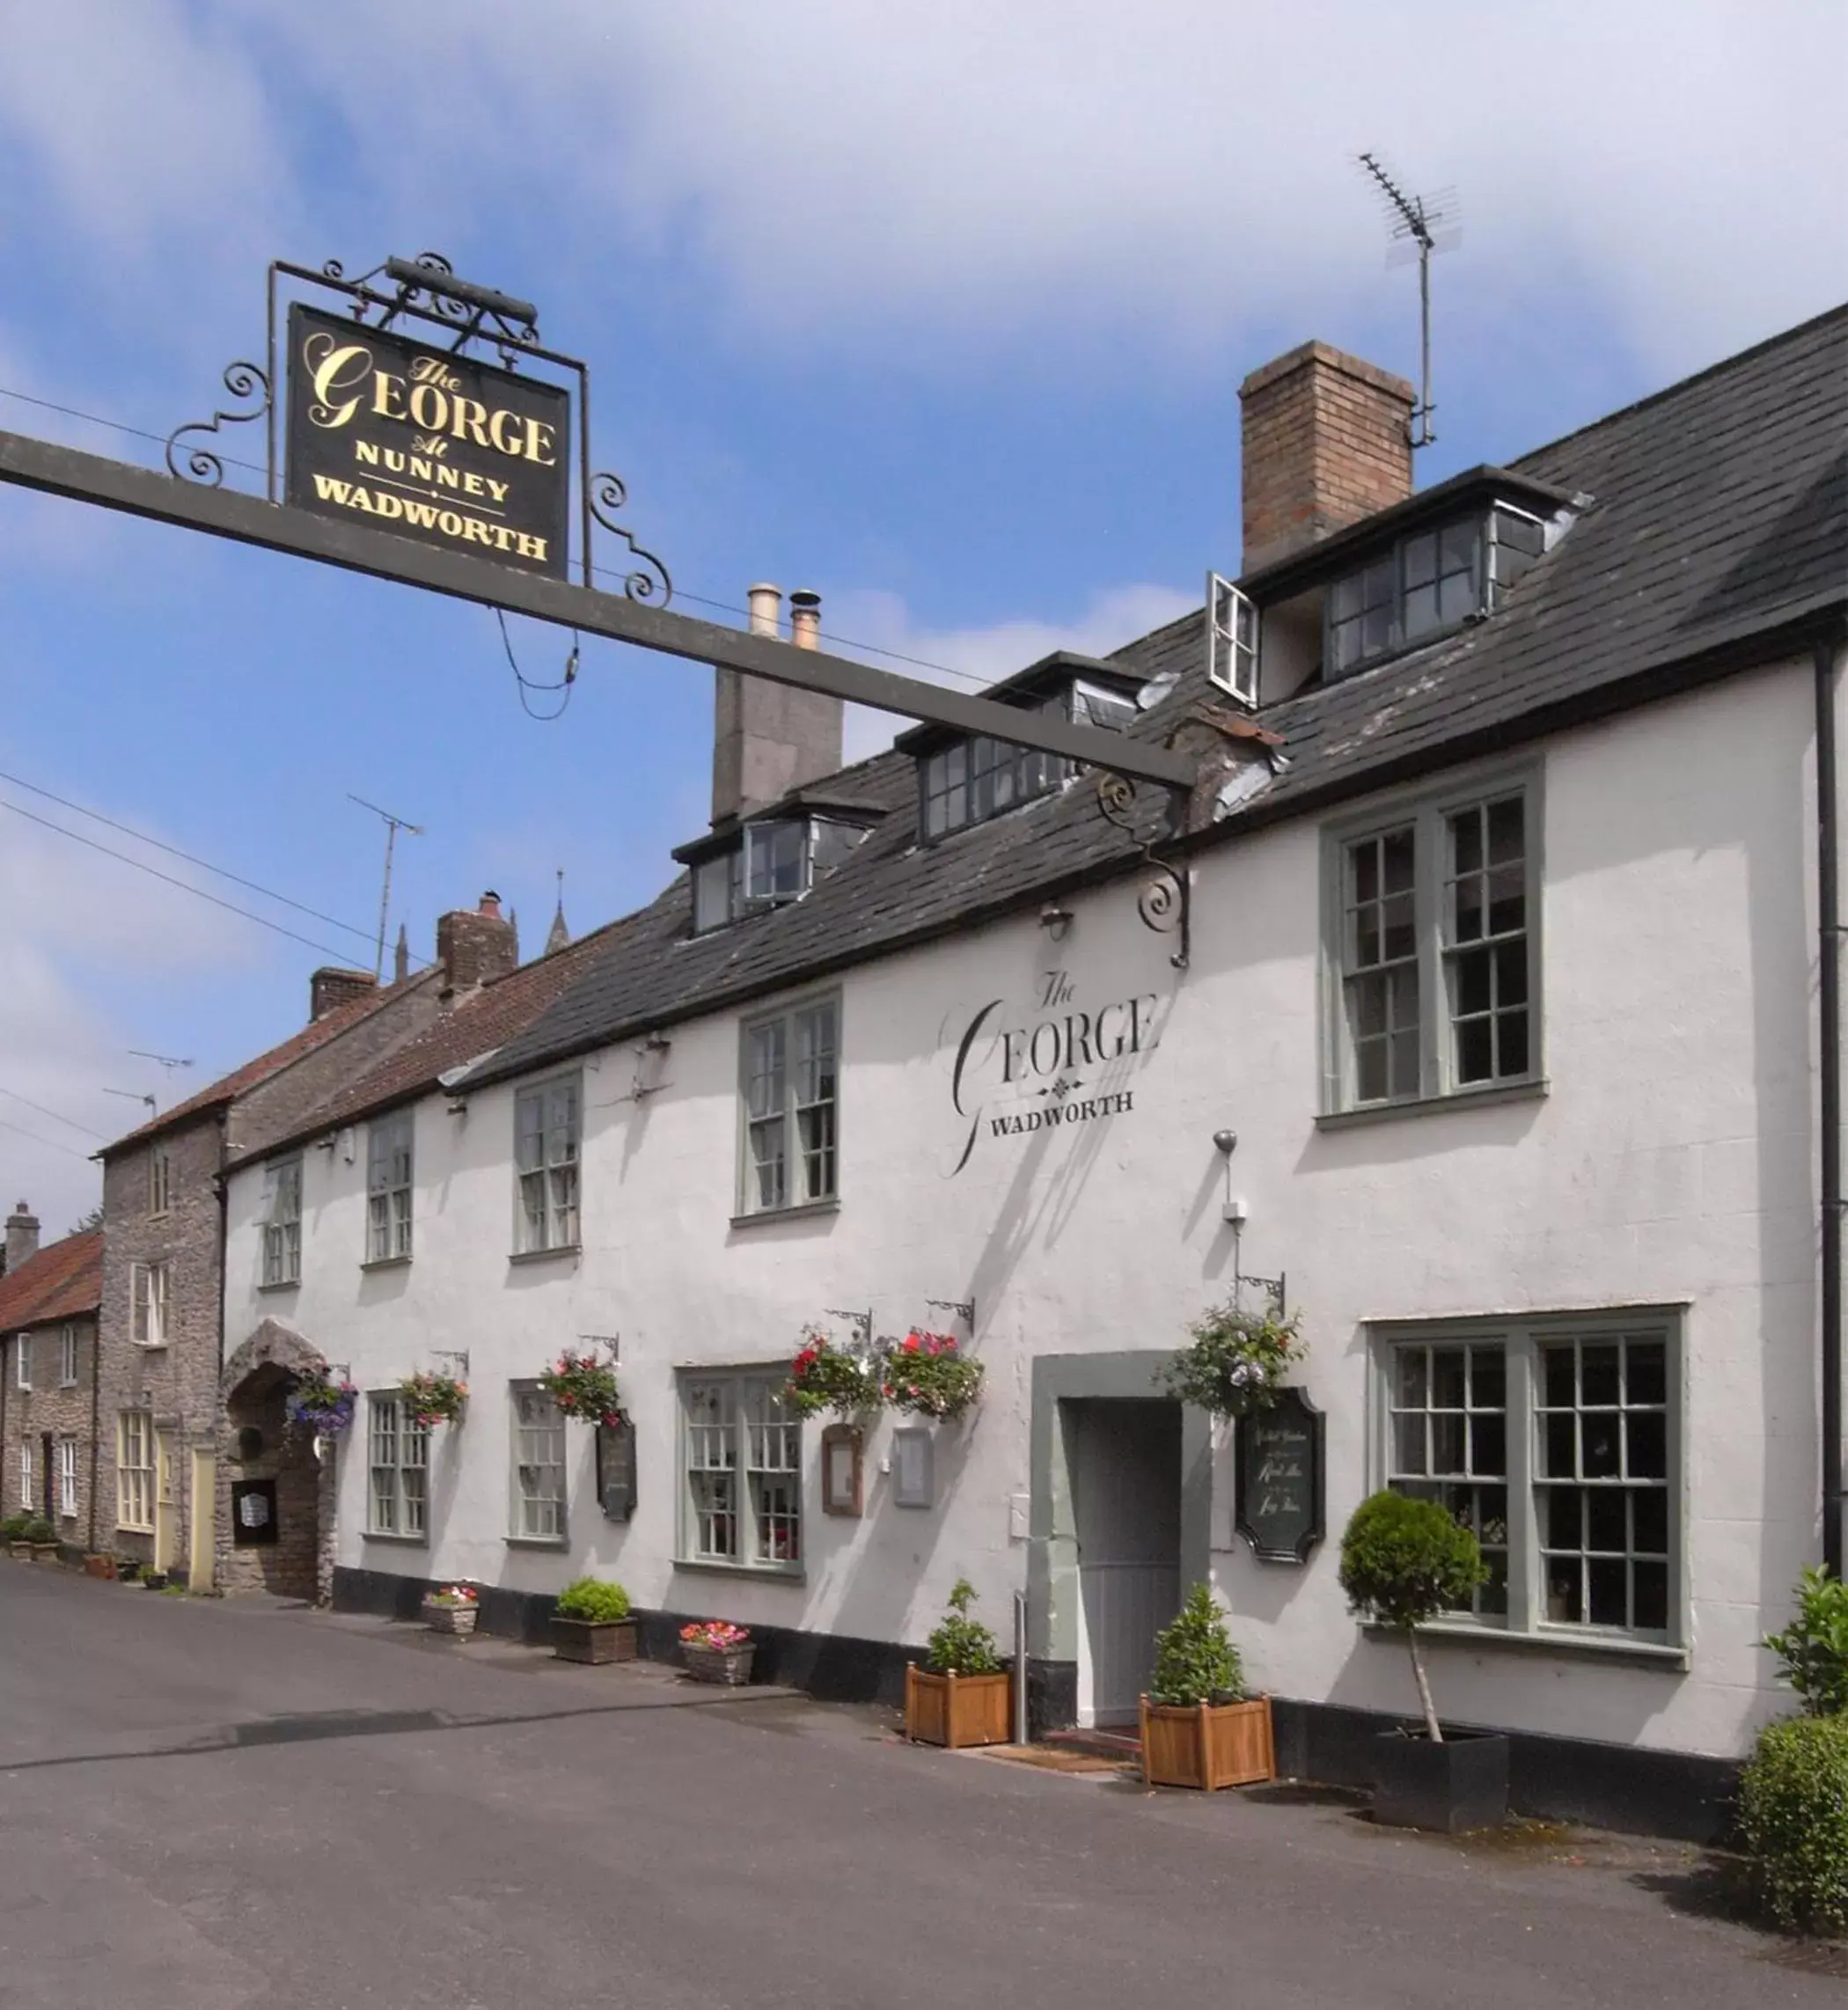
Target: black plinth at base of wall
[[1638, 1791]]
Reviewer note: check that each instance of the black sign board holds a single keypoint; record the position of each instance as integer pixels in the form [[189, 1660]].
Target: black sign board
[[407, 436], [1279, 1493], [253, 1512], [616, 1470]]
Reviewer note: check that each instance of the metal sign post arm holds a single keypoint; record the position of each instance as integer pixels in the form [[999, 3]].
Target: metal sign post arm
[[247, 520]]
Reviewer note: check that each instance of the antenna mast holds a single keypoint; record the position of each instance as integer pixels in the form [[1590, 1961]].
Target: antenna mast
[[393, 825], [1417, 220]]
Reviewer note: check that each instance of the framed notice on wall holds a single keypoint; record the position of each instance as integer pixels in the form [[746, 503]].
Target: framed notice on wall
[[1279, 1491], [842, 1455]]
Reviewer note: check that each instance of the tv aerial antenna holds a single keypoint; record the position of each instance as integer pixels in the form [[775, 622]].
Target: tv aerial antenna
[[168, 1061], [393, 825], [1421, 226]]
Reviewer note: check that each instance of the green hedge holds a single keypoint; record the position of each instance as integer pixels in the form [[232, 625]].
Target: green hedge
[[1793, 1812], [600, 1600]]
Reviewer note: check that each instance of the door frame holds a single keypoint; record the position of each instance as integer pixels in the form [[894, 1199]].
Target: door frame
[[167, 1498], [1055, 1615]]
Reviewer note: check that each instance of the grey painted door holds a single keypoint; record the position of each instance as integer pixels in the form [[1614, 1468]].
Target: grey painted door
[[1124, 1461]]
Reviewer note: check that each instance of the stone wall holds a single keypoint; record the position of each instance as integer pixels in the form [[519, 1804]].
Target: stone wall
[[54, 1408], [257, 1443]]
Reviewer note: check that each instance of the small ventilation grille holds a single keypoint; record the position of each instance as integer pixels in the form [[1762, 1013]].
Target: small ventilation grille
[[1231, 640]]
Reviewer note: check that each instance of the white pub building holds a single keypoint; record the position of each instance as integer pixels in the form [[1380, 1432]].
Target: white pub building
[[1474, 1004]]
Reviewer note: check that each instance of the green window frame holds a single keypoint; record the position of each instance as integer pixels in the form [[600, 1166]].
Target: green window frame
[[741, 1493], [1432, 946], [1560, 1440]]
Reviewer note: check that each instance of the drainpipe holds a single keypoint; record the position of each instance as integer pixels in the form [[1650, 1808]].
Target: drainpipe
[[96, 1413], [1829, 1006]]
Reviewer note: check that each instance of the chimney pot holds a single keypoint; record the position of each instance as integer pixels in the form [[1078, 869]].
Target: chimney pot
[[1326, 442], [806, 620], [765, 603], [490, 902], [22, 1236]]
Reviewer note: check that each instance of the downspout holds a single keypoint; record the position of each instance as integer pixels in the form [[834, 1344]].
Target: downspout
[[96, 1414], [1828, 1006]]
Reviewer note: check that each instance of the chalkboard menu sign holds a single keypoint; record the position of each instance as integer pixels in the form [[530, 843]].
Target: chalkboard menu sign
[[1279, 1491], [616, 1470]]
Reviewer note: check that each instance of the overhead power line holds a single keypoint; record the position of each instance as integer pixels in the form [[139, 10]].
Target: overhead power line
[[50, 1144], [13, 1094], [173, 851], [199, 893]]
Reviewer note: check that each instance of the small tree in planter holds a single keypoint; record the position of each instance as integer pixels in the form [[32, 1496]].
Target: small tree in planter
[[453, 1610], [1199, 1726], [434, 1398], [928, 1376], [963, 1694], [824, 1376], [583, 1387], [1234, 1361], [1405, 1563], [591, 1624]]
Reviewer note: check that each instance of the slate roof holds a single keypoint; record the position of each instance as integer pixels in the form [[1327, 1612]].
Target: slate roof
[[317, 1033], [475, 1026], [1718, 518], [62, 1281]]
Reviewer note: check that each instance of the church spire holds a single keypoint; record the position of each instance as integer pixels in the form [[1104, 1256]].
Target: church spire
[[559, 935]]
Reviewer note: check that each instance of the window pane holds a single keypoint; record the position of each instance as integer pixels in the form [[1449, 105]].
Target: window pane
[[1559, 1366], [1399, 936], [1648, 1432], [1474, 983], [1420, 558], [1564, 1592], [1511, 1049], [1559, 1444], [1457, 547], [1488, 1443], [1507, 901], [1649, 1594], [1645, 1372], [1409, 1445], [1447, 1378], [1423, 611], [1609, 1580], [1598, 1376], [1475, 1051], [1488, 1378], [1607, 1523], [1410, 1392], [1598, 1446], [1649, 1520], [1466, 841], [1447, 1444]]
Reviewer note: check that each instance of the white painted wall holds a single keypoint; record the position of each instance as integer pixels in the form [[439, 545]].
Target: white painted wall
[[1671, 1161]]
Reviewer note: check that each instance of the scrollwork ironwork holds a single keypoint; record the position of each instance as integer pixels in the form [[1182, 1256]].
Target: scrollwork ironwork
[[1164, 901], [647, 579], [1116, 799], [201, 464]]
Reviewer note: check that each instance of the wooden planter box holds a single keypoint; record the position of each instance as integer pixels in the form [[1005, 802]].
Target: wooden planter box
[[593, 1641], [958, 1710], [1208, 1745], [729, 1665], [457, 1619]]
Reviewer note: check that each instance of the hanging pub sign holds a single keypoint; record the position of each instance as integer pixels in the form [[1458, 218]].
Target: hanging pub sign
[[1278, 1492], [410, 436]]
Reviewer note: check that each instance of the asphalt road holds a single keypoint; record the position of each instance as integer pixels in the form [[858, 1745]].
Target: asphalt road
[[220, 1805]]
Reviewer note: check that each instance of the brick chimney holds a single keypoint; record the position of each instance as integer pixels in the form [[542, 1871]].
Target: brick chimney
[[475, 945], [330, 987], [1327, 440], [22, 1236], [769, 739]]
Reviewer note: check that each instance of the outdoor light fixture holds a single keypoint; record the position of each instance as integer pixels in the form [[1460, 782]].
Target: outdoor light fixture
[[1056, 920], [1233, 1209]]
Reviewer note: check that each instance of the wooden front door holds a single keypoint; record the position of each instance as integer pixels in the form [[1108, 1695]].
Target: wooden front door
[[166, 1503]]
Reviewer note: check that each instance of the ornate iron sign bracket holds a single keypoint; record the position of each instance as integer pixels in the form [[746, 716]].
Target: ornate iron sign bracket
[[426, 289], [1164, 901]]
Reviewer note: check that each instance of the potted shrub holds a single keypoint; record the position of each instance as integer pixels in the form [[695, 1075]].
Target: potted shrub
[[12, 1533], [824, 1376], [962, 1695], [43, 1539], [451, 1609], [1200, 1728], [434, 1398], [591, 1624], [928, 1376], [153, 1579], [1404, 1563], [714, 1650], [1234, 1361], [128, 1569]]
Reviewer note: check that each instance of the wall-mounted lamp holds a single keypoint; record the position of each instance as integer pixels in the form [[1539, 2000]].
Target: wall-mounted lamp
[[1056, 920], [1233, 1209], [1225, 1143]]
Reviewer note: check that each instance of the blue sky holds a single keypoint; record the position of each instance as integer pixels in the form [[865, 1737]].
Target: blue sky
[[939, 310]]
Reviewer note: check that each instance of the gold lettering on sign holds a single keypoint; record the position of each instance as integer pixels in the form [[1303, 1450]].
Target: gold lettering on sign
[[335, 368], [428, 516]]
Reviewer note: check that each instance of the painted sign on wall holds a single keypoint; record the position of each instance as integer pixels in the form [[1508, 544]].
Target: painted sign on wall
[[1060, 1062], [407, 436]]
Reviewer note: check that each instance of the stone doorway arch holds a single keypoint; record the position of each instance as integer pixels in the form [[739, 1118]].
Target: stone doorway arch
[[272, 1473]]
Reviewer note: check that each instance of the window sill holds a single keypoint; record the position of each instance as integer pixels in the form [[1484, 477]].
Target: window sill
[[807, 1210], [391, 1536], [1499, 1092], [554, 1542], [1560, 1640], [386, 1263], [283, 1284], [134, 1528], [761, 1573], [542, 1256]]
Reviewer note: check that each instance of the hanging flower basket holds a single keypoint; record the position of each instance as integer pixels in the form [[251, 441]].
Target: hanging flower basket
[[928, 1376], [1236, 1362], [319, 1405], [433, 1399], [823, 1376], [583, 1387]]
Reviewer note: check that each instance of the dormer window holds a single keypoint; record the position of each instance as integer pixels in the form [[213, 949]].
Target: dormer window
[[969, 780], [768, 862]]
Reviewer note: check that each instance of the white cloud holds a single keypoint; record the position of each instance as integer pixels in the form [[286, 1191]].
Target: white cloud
[[879, 628]]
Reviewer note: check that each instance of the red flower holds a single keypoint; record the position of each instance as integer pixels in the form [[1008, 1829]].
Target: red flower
[[912, 1343]]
